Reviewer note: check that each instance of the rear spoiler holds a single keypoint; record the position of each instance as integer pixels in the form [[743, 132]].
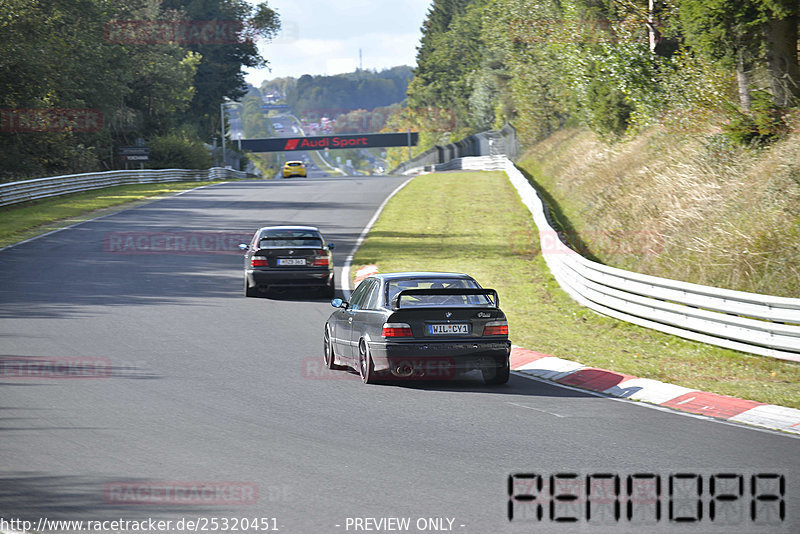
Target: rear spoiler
[[491, 293]]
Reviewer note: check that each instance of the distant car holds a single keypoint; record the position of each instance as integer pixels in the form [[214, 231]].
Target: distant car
[[419, 326], [294, 168], [288, 256]]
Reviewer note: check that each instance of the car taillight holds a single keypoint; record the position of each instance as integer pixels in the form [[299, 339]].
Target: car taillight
[[321, 260], [396, 330], [496, 328], [259, 261]]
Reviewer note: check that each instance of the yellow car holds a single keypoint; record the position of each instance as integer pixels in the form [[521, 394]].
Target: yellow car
[[294, 168]]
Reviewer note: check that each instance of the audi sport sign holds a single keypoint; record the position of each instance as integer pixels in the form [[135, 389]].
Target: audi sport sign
[[283, 144]]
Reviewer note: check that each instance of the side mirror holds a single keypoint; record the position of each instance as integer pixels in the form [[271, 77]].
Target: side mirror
[[339, 303], [331, 246], [243, 246]]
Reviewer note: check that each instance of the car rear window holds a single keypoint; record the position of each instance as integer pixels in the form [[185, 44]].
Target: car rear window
[[294, 164], [393, 287], [289, 238]]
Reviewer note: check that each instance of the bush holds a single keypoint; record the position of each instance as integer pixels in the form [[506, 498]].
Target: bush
[[611, 113], [763, 125], [178, 151]]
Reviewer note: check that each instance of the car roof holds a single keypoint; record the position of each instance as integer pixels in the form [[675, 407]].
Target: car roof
[[314, 228], [294, 161], [419, 274]]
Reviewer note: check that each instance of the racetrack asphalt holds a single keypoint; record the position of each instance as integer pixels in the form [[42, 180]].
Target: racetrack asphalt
[[199, 386]]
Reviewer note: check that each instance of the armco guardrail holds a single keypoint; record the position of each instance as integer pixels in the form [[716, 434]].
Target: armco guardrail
[[501, 142], [748, 322], [476, 163], [14, 192]]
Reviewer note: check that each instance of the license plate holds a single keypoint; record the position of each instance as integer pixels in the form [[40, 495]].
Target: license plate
[[291, 261], [449, 329]]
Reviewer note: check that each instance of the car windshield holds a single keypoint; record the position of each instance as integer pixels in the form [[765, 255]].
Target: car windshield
[[393, 287], [294, 164], [289, 238]]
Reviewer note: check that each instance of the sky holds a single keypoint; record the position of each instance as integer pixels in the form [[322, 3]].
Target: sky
[[324, 37]]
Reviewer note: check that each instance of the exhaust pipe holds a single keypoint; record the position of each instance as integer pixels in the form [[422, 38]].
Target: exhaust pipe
[[403, 370]]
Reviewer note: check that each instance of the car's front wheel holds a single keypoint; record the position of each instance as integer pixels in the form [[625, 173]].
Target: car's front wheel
[[365, 366], [497, 375]]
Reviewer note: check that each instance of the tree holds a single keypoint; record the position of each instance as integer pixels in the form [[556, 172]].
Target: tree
[[745, 35], [219, 73], [72, 55], [450, 54], [440, 16], [781, 35], [53, 56], [331, 95]]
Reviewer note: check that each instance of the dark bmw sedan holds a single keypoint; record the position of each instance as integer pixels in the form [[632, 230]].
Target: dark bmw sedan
[[286, 257], [419, 326]]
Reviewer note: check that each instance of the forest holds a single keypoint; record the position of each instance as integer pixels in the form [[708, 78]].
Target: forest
[[614, 66], [334, 95], [79, 79]]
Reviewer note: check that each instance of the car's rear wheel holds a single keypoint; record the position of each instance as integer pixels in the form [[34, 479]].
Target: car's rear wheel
[[330, 357], [497, 375], [248, 290], [365, 366]]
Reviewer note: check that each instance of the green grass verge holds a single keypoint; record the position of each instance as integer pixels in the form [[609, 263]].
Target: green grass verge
[[23, 221], [475, 223]]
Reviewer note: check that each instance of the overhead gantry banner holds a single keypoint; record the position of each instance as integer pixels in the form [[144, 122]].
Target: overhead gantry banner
[[284, 144]]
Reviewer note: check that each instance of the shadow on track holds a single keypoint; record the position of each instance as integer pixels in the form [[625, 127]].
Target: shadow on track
[[472, 382], [294, 295], [34, 495]]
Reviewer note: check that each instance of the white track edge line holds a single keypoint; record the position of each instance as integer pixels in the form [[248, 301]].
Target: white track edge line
[[666, 409]]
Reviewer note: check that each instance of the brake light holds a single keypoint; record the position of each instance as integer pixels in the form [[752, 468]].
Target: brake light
[[396, 330], [259, 261], [496, 328], [321, 260]]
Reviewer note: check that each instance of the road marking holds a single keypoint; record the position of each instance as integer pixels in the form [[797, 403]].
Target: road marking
[[537, 409], [666, 409]]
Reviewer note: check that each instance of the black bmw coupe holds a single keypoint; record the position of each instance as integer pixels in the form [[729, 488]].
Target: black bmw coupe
[[419, 326], [288, 256]]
